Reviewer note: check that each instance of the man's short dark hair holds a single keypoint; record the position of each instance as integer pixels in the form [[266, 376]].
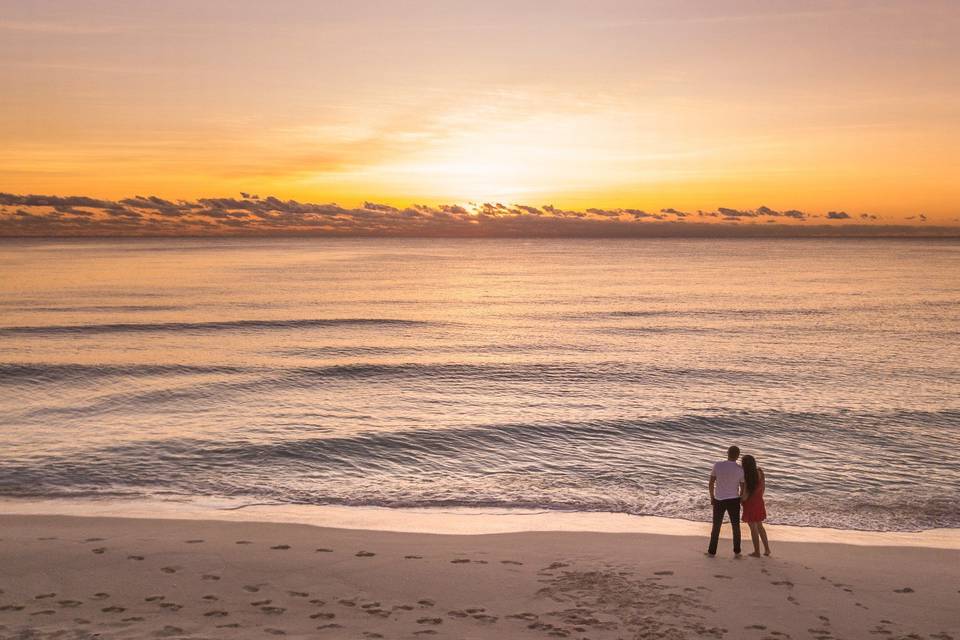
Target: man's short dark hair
[[733, 452]]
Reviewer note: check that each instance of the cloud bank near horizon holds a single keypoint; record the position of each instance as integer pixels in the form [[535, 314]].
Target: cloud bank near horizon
[[251, 215]]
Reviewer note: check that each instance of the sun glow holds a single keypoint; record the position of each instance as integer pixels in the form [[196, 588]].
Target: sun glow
[[512, 149]]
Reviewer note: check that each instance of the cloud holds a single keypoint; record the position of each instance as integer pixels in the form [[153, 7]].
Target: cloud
[[40, 215]]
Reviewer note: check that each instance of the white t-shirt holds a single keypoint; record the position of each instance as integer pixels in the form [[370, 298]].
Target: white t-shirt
[[729, 475]]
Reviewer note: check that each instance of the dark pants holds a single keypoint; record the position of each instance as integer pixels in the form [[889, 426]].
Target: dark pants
[[732, 508]]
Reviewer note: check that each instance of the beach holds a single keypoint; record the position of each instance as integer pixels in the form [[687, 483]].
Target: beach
[[109, 577]]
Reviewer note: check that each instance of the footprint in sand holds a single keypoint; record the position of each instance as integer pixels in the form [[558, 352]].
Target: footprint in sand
[[45, 612], [510, 562], [113, 609], [169, 569], [80, 621], [154, 598], [663, 573], [210, 576], [101, 596], [280, 547], [402, 607], [370, 605], [94, 539], [229, 625], [12, 607], [903, 590], [347, 603], [134, 557], [459, 561], [274, 611], [169, 630], [318, 602], [69, 604], [323, 550], [211, 598], [133, 619], [364, 554], [475, 610], [332, 625], [298, 594], [429, 620], [557, 565], [261, 603], [722, 577], [100, 550], [371, 634], [759, 627], [275, 632], [426, 603], [323, 615], [529, 617], [483, 617], [216, 613], [44, 596], [250, 588], [458, 614], [193, 541], [170, 606], [782, 583], [47, 538], [413, 557], [425, 632], [242, 542]]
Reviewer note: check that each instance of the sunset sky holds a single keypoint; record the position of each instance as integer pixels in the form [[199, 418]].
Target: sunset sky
[[812, 106]]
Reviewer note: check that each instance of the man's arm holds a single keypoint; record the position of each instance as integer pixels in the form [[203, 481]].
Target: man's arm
[[713, 481]]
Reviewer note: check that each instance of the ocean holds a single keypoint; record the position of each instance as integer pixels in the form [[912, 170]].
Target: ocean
[[583, 375]]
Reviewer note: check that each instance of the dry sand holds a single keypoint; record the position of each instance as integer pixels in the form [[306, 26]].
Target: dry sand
[[72, 577]]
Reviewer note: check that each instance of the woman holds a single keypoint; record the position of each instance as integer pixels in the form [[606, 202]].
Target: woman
[[754, 512]]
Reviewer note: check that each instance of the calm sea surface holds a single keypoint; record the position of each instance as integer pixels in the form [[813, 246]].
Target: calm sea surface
[[574, 375]]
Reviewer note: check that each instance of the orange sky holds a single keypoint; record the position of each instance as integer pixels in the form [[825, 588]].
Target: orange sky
[[817, 106]]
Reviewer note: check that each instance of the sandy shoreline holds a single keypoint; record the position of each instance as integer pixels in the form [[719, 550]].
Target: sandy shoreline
[[458, 521], [82, 577]]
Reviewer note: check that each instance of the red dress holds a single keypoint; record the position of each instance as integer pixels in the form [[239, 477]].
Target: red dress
[[753, 509]]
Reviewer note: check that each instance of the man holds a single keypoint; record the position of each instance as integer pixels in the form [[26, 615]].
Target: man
[[726, 487]]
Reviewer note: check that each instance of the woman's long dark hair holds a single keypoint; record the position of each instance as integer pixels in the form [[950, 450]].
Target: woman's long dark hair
[[750, 475]]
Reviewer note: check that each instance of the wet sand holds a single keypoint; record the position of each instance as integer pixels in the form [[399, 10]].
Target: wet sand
[[75, 577]]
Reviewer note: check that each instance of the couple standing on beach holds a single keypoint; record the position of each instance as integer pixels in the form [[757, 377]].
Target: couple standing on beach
[[733, 487]]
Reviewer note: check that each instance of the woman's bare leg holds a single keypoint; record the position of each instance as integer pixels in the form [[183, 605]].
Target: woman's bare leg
[[755, 538], [763, 536]]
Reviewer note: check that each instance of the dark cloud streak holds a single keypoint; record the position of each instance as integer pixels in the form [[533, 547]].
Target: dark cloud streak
[[64, 216]]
